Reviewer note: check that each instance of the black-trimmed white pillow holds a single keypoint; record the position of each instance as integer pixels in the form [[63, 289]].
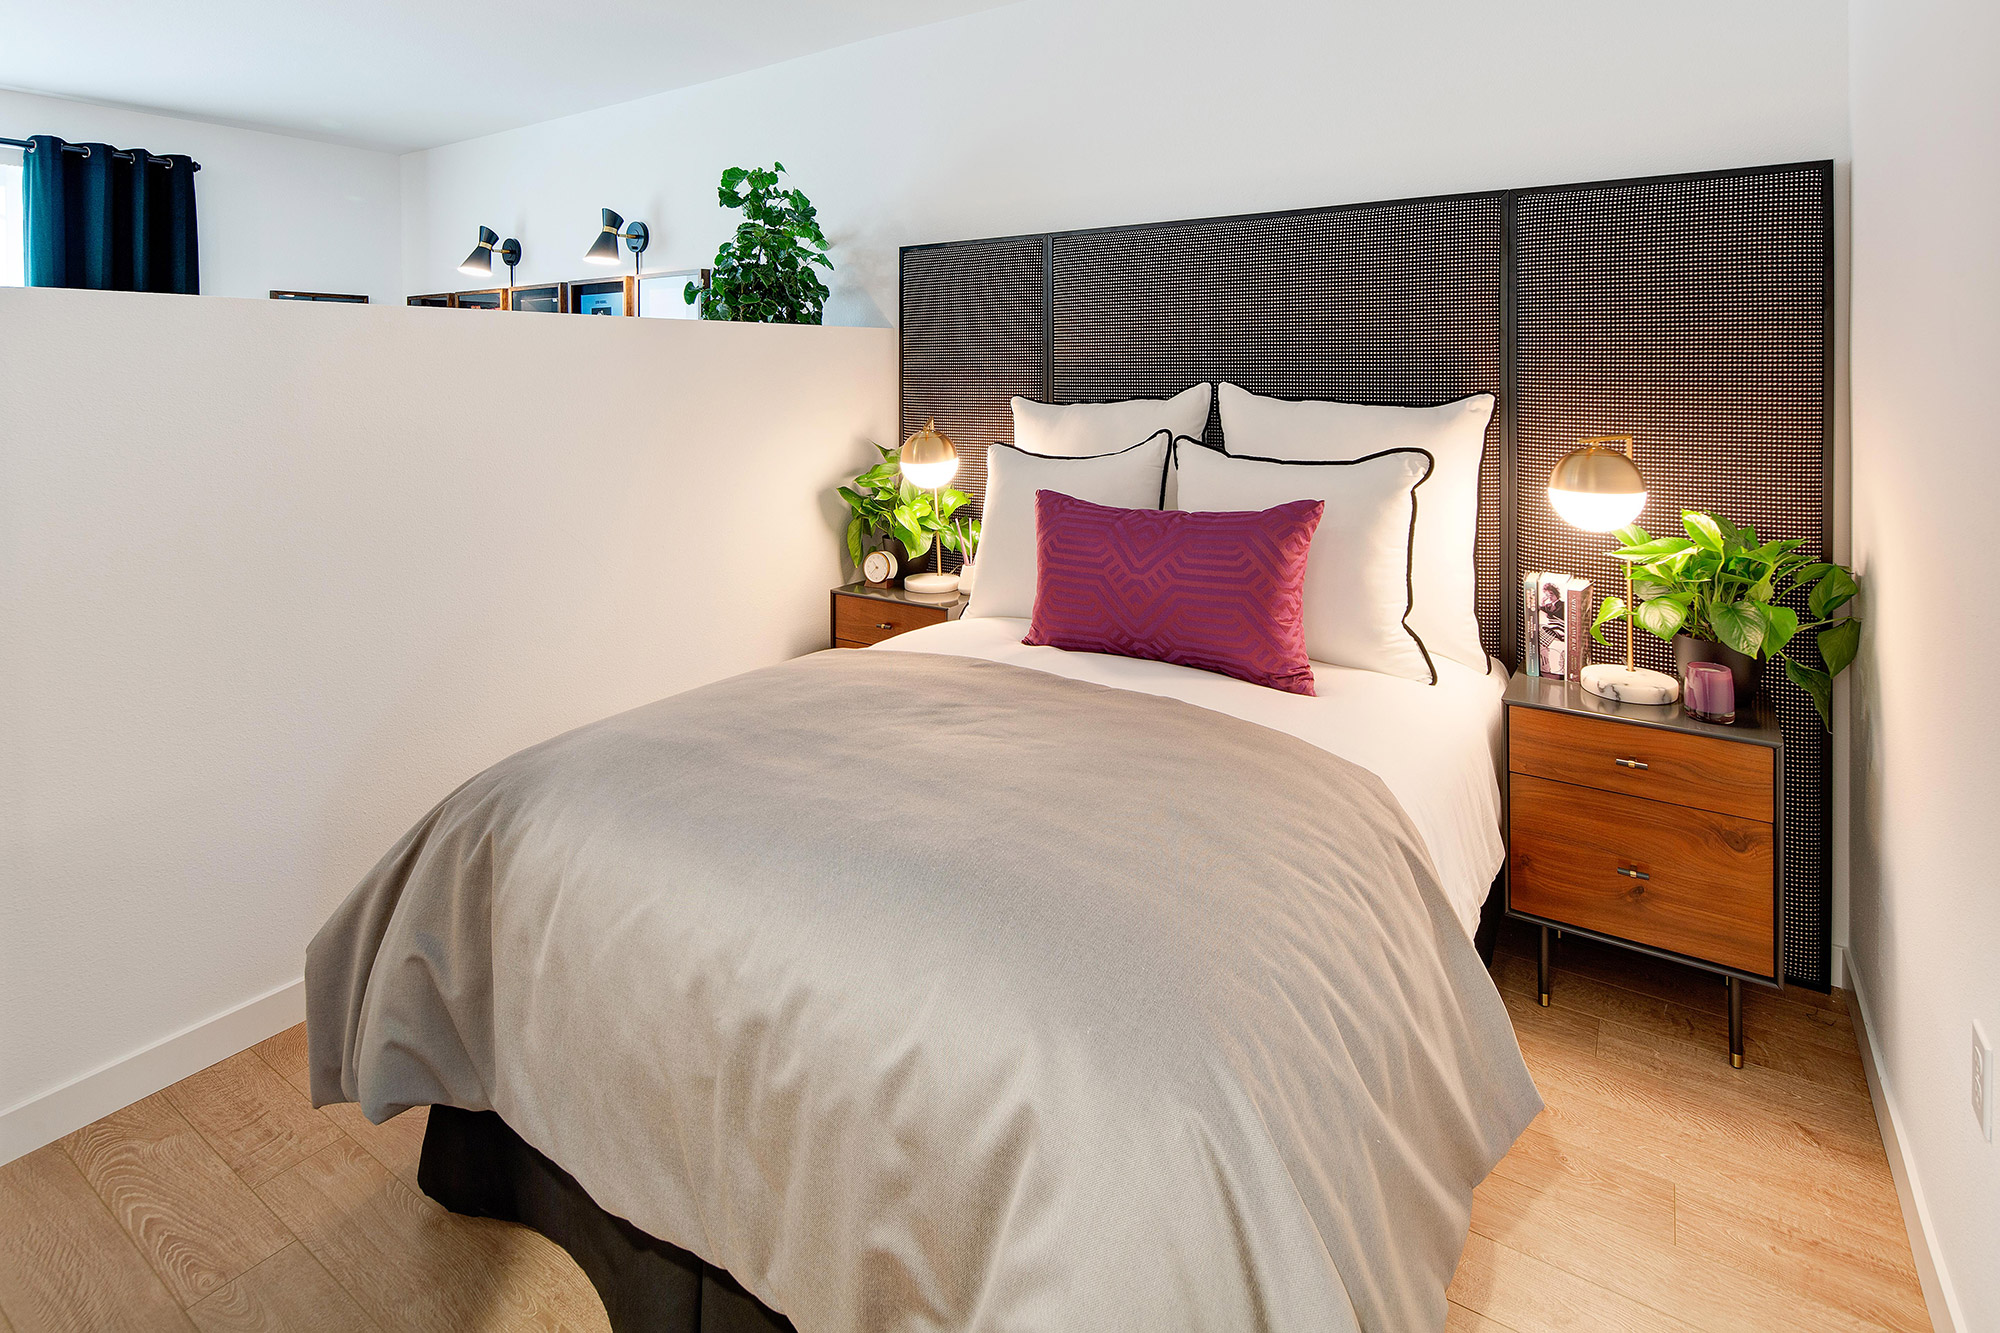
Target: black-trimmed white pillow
[[1444, 567], [1358, 573], [1130, 478], [1091, 430]]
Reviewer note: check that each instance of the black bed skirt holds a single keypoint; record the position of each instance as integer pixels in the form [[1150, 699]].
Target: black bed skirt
[[475, 1164]]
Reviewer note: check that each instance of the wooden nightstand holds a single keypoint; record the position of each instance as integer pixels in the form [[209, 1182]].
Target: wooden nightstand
[[1639, 826], [862, 615]]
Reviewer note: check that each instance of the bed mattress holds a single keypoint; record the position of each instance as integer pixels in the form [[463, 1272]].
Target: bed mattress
[[1437, 747]]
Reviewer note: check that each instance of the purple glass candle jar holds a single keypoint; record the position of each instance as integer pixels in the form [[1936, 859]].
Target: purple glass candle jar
[[1709, 691]]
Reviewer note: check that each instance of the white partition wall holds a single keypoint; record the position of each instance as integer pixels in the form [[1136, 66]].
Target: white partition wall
[[274, 578], [1926, 725]]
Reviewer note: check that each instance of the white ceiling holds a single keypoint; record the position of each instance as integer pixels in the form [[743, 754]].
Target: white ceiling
[[407, 74]]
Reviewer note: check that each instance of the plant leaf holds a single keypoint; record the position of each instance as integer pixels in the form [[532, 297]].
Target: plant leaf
[[1662, 617], [854, 540], [1660, 548], [1834, 590], [1780, 624], [1631, 535], [1818, 685], [1701, 566], [1838, 643], [1738, 625], [1702, 530], [1607, 610], [1745, 568]]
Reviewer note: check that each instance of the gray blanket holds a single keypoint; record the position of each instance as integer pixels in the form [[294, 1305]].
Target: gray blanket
[[921, 992]]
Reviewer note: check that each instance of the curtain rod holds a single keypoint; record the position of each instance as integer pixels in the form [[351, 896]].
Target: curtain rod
[[27, 147]]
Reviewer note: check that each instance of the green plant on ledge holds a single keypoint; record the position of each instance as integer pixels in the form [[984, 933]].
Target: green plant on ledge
[[882, 504], [1720, 582], [765, 274]]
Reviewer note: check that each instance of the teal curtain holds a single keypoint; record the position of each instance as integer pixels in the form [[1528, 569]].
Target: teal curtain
[[108, 219]]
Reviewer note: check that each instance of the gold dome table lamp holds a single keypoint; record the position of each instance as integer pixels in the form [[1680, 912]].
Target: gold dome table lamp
[[930, 460], [1598, 489]]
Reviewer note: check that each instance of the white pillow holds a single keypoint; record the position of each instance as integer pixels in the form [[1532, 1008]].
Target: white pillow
[[1445, 613], [1086, 430], [1128, 479], [1357, 591]]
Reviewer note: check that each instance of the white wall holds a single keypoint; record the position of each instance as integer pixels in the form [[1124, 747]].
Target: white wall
[[1071, 113], [1926, 752], [272, 211], [278, 577]]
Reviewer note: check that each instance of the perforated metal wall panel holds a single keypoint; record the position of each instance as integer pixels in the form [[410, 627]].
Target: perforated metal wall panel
[[1393, 303], [1695, 314], [973, 334]]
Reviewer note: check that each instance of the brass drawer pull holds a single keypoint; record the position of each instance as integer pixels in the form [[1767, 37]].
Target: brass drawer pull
[[1629, 873], [1630, 763], [883, 624]]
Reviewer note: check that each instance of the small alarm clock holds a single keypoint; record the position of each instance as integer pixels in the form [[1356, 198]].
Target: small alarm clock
[[879, 568]]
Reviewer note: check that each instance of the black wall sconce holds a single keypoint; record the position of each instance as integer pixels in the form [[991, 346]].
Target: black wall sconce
[[604, 250], [479, 264]]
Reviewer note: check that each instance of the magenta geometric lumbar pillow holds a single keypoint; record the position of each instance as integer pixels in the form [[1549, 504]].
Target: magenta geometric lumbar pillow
[[1218, 591]]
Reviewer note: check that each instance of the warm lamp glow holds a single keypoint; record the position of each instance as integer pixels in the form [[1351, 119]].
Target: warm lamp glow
[[1597, 489], [930, 476], [929, 458], [1597, 513]]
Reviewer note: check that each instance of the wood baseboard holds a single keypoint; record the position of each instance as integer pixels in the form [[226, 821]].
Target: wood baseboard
[[48, 1116], [1939, 1298]]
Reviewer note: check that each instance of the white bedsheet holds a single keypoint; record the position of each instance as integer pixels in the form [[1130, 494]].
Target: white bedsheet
[[1437, 747]]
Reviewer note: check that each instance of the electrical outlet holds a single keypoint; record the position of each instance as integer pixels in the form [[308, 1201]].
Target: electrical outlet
[[1982, 1081]]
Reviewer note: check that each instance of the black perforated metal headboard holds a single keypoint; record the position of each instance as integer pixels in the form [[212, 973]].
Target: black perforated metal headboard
[[1393, 303], [1692, 311]]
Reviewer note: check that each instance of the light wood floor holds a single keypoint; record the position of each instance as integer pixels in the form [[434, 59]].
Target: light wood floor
[[1660, 1190]]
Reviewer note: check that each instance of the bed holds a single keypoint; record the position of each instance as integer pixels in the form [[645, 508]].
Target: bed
[[957, 984]]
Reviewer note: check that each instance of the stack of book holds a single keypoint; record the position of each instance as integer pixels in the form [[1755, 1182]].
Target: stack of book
[[1555, 625]]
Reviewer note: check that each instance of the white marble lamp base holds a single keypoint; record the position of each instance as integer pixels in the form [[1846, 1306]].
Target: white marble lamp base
[[930, 585], [1630, 685]]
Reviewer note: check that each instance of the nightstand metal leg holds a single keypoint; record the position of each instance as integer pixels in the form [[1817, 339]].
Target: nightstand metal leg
[[1542, 984], [1735, 1023]]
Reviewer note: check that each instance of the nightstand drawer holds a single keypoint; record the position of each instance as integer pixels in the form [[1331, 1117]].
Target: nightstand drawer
[[1700, 771], [866, 620], [1708, 889]]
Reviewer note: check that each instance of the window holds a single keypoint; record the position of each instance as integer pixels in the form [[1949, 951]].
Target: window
[[13, 248]]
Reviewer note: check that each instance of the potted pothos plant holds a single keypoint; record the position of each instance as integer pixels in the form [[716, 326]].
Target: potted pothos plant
[[1719, 593], [764, 274], [883, 506]]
